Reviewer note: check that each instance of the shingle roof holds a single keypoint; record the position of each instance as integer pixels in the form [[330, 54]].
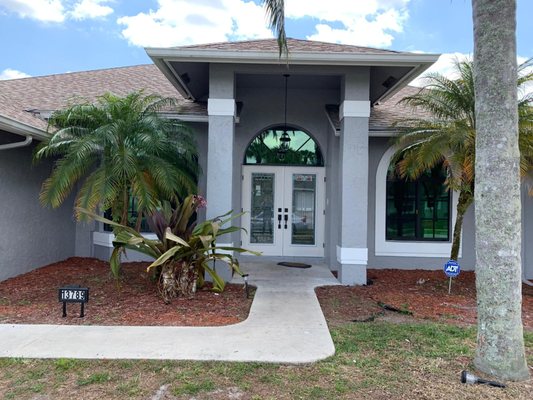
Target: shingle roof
[[295, 45], [54, 92], [383, 115]]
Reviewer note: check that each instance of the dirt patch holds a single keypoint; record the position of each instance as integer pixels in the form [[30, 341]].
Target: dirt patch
[[32, 298], [424, 294]]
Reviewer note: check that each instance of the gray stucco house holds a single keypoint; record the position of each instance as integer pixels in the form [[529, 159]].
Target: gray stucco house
[[303, 147]]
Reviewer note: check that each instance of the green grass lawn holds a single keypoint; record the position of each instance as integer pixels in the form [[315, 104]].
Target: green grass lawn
[[377, 360]]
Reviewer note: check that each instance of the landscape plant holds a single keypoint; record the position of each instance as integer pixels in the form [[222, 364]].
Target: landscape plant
[[183, 251], [445, 136], [119, 150]]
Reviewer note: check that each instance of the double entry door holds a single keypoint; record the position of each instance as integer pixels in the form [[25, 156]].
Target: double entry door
[[284, 210]]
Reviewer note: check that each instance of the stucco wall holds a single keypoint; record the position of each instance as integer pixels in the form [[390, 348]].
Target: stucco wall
[[263, 108], [527, 233], [30, 236]]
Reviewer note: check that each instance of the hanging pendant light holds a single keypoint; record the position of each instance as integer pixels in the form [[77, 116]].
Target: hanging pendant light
[[285, 139]]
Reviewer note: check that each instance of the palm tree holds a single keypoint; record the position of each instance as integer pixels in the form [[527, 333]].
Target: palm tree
[[118, 149], [446, 136], [500, 340]]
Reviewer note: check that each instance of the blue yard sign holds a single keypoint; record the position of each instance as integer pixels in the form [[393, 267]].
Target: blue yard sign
[[452, 268]]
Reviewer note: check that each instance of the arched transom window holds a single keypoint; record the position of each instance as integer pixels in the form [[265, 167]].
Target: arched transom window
[[285, 146]]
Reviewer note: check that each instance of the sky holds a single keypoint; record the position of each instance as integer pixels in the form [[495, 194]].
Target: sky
[[42, 37]]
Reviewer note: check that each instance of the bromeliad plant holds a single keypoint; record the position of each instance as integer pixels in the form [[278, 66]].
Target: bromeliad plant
[[184, 250]]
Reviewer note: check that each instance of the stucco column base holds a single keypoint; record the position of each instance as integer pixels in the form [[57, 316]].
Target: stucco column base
[[352, 274], [353, 261]]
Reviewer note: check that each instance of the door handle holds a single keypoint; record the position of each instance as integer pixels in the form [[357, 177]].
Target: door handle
[[286, 219], [279, 221]]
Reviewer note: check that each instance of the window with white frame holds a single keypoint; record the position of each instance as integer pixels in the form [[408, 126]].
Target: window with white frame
[[412, 220]]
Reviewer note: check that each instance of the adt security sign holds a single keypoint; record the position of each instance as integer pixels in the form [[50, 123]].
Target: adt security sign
[[452, 269]]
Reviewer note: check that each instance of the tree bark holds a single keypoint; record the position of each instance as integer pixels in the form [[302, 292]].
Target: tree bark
[[500, 343], [178, 278], [465, 199]]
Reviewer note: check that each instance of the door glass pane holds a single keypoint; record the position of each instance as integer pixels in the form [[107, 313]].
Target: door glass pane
[[262, 209], [303, 208]]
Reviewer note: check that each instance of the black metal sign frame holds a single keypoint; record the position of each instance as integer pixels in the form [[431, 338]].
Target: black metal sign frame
[[73, 294]]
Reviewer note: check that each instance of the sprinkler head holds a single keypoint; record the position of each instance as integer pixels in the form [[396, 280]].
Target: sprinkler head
[[471, 379]]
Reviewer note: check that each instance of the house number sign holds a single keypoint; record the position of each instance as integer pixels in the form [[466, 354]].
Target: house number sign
[[74, 294]]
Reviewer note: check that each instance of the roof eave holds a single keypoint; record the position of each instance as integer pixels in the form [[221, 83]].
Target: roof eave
[[295, 58], [171, 75], [414, 73], [20, 128]]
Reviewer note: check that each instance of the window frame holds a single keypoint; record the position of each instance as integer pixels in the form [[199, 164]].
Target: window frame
[[419, 218], [404, 248]]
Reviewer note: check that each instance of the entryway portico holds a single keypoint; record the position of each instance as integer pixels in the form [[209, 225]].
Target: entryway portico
[[291, 210]]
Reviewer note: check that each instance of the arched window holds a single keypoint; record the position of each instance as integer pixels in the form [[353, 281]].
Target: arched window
[[385, 209], [290, 146], [417, 210]]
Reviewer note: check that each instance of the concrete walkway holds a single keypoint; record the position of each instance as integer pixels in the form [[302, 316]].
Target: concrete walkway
[[285, 325]]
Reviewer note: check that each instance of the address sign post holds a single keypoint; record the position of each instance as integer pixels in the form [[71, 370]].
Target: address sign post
[[74, 294]]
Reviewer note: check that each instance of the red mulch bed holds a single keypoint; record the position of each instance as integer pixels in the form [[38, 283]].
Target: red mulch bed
[[33, 298], [420, 292]]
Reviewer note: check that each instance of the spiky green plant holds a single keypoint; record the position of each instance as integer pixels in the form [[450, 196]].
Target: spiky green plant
[[117, 148], [183, 251], [446, 136]]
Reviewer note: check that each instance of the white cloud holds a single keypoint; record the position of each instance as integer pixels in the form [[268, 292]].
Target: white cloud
[[526, 89], [367, 23], [87, 9], [9, 73], [444, 66], [183, 22], [57, 10], [41, 10]]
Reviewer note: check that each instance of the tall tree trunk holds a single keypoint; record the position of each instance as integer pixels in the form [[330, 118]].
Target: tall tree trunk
[[465, 199], [139, 221], [125, 204], [500, 342]]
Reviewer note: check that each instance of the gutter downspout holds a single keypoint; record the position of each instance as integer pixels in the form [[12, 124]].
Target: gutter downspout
[[24, 143]]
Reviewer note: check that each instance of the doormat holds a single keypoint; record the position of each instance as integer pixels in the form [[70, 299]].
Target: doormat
[[294, 264]]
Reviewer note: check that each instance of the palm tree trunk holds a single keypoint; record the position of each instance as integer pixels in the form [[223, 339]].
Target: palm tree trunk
[[187, 280], [178, 278], [125, 201], [168, 287], [500, 343], [139, 221], [465, 199]]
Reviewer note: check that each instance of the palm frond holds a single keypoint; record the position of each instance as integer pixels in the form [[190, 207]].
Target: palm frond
[[275, 11]]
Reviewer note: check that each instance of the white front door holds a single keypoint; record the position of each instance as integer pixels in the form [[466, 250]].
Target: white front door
[[284, 210]]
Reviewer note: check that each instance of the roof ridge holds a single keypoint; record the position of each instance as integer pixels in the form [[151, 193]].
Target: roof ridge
[[289, 39]]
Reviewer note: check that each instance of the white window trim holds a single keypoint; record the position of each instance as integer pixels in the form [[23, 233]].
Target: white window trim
[[401, 248], [105, 239]]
